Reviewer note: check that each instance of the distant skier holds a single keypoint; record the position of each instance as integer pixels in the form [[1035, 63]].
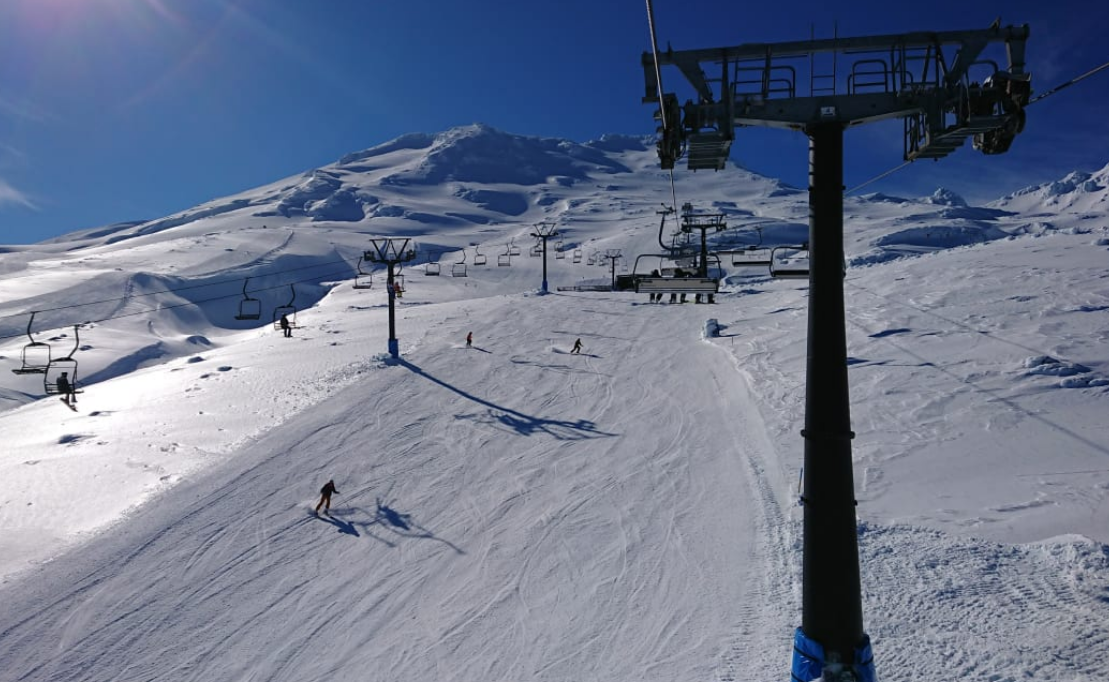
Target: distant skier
[[326, 492], [286, 327], [65, 388], [576, 350], [469, 340]]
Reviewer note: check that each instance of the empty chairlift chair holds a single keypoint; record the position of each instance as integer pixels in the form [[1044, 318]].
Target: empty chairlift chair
[[432, 267], [459, 268], [560, 249], [577, 255], [752, 256], [505, 259], [250, 308], [479, 258], [790, 262], [363, 280], [36, 354]]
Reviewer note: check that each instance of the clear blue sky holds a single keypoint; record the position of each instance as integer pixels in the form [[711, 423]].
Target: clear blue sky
[[114, 110]]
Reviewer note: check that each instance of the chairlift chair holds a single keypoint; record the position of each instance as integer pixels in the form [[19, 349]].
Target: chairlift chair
[[250, 308], [751, 256], [577, 255], [432, 267], [287, 311], [459, 268], [60, 366], [363, 280], [513, 250], [793, 265], [504, 259], [36, 354], [479, 258], [560, 250]]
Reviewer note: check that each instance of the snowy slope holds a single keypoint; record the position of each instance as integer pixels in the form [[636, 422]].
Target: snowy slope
[[513, 512]]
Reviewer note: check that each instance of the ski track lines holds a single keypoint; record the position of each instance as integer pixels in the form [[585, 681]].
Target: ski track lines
[[964, 608], [508, 506]]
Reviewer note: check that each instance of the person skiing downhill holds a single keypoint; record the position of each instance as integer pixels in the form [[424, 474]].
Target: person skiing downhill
[[326, 492], [576, 350]]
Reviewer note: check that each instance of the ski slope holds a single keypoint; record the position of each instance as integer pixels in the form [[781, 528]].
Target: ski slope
[[515, 512]]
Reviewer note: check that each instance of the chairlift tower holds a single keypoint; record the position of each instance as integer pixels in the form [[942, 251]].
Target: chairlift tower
[[391, 252], [613, 255], [939, 84], [544, 230], [703, 222]]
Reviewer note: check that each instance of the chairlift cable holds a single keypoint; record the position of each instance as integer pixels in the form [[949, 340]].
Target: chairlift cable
[[658, 85], [1072, 81], [1032, 101], [876, 178]]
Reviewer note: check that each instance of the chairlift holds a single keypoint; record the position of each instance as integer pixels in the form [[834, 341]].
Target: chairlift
[[513, 250], [670, 279], [479, 258], [536, 250], [432, 267], [459, 268], [505, 259], [60, 366], [793, 264], [751, 256], [287, 311], [398, 285], [560, 249], [36, 354], [577, 255], [250, 308], [363, 280]]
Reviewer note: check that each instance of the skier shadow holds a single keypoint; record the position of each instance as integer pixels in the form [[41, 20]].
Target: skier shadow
[[395, 523], [481, 349], [523, 424], [345, 527]]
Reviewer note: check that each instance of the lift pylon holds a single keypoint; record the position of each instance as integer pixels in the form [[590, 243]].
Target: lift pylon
[[944, 99]]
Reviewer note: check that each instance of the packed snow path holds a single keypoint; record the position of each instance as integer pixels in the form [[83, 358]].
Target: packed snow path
[[506, 512]]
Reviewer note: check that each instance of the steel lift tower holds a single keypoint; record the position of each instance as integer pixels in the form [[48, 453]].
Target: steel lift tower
[[929, 81]]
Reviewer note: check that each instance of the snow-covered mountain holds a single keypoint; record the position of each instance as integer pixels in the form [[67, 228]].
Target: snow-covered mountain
[[1076, 193], [511, 511]]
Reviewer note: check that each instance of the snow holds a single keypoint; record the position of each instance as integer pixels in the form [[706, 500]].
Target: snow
[[511, 511]]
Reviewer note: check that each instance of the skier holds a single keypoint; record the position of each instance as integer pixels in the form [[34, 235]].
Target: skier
[[66, 389], [576, 350], [326, 492], [286, 327], [469, 339]]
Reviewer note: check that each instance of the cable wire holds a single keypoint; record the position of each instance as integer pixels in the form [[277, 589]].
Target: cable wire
[[658, 85], [1032, 101]]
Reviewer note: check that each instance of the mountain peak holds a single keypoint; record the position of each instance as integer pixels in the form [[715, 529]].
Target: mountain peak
[[945, 197]]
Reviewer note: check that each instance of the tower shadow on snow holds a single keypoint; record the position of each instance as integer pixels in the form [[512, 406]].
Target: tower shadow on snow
[[523, 424]]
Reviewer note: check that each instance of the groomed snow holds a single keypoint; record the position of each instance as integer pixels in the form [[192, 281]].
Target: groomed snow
[[515, 512]]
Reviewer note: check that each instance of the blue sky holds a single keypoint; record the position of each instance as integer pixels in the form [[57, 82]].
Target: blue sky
[[114, 110]]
